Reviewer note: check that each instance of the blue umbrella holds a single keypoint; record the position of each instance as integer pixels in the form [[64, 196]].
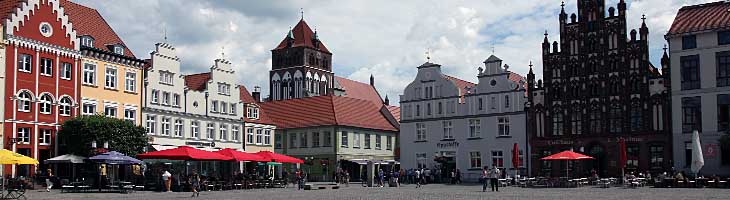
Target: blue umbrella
[[114, 157]]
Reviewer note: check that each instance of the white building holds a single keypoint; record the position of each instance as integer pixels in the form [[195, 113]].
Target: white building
[[699, 56], [448, 123], [201, 110]]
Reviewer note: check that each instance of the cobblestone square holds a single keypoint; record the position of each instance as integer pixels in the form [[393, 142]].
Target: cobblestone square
[[408, 192]]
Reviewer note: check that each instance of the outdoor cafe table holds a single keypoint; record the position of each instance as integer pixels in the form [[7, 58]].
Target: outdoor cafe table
[[669, 182], [701, 182]]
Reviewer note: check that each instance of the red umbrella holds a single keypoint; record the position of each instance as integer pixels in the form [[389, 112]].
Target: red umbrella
[[184, 153], [567, 156], [241, 156], [622, 153], [516, 157], [275, 157]]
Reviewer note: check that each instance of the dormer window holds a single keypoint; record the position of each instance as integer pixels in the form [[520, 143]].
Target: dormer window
[[253, 112], [118, 49], [87, 41]]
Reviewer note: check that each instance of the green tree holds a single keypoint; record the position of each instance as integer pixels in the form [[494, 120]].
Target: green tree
[[123, 136]]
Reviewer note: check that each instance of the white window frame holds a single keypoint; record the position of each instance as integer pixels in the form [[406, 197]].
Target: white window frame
[[267, 137], [110, 77], [25, 63], [119, 49], [23, 135], [259, 136], [210, 131], [478, 156], [420, 132], [355, 140], [389, 143], [235, 133], [64, 108], [130, 117], [249, 135], [253, 112], [114, 108], [87, 41], [179, 129], [475, 128], [214, 106], [498, 155], [165, 125], [223, 128], [66, 71], [155, 96], [378, 142], [448, 129], [176, 100], [130, 79], [89, 74], [92, 105], [167, 78], [224, 107], [195, 129], [44, 137], [45, 104], [165, 98], [503, 126], [367, 141], [234, 108], [224, 89], [421, 160], [344, 142], [46, 67], [150, 124], [25, 102]]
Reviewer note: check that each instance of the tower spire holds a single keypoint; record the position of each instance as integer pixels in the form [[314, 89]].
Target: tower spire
[[301, 11], [428, 55]]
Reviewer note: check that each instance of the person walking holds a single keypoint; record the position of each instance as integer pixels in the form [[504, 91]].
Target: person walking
[[458, 176], [484, 178], [381, 177], [494, 175], [417, 175], [299, 179], [396, 175], [166, 179], [49, 180], [194, 183]]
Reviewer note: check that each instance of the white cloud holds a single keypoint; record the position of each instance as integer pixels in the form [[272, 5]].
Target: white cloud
[[385, 38]]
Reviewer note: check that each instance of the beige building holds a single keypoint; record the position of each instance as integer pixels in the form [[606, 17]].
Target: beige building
[[259, 128]]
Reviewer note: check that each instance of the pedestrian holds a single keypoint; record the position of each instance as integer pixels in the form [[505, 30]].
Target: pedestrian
[[396, 175], [299, 179], [166, 178], [458, 176], [49, 180], [494, 177], [417, 174], [347, 178], [194, 183], [381, 177], [484, 177]]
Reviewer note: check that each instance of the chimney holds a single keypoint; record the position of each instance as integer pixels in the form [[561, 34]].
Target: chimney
[[387, 101], [256, 94], [372, 80]]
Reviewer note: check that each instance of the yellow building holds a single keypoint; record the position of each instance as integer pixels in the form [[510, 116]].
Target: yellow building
[[111, 76]]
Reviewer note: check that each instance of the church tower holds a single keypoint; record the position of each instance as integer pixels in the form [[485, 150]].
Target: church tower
[[301, 65]]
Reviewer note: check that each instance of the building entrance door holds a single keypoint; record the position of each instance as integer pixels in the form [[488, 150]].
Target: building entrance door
[[600, 163], [447, 164]]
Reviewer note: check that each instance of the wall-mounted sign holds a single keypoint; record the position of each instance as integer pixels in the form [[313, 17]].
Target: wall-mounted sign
[[200, 143], [447, 145]]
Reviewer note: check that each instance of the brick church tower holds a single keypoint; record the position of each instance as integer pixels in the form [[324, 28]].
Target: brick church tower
[[301, 66]]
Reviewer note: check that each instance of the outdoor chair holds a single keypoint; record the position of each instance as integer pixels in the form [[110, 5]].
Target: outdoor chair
[[238, 185], [209, 185], [250, 184]]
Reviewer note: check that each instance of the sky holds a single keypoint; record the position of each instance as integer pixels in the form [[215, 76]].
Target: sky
[[385, 38]]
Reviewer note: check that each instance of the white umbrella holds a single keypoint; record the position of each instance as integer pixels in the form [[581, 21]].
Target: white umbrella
[[68, 158], [697, 160]]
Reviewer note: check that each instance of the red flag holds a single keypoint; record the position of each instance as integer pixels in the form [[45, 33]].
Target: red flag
[[622, 153], [516, 157]]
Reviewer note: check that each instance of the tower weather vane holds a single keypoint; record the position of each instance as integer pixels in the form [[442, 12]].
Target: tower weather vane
[[428, 55], [301, 10]]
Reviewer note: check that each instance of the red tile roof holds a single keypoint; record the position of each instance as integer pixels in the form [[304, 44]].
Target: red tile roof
[[359, 90], [88, 21], [701, 17], [302, 37], [85, 20], [197, 82], [248, 99], [327, 111], [461, 84], [395, 111]]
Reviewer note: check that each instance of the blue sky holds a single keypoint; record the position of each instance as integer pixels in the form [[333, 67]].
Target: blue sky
[[385, 38]]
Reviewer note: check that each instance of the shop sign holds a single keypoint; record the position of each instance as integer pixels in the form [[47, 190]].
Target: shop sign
[[710, 150], [447, 145], [200, 143]]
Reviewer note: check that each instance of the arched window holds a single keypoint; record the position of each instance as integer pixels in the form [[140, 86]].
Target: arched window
[[636, 124], [558, 123], [64, 108], [24, 102], [576, 123], [45, 104]]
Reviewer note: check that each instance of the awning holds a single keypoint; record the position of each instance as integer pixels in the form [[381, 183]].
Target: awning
[[377, 162], [159, 147]]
